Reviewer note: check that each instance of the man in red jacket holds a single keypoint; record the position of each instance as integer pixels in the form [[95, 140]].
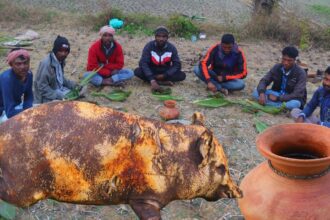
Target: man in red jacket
[[108, 53]]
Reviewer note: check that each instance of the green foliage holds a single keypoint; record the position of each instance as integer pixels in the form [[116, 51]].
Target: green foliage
[[134, 29], [182, 26], [7, 210], [74, 93], [249, 106], [168, 97], [260, 125], [305, 35], [214, 102], [117, 95], [320, 9]]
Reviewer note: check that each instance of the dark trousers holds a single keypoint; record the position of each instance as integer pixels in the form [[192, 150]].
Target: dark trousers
[[176, 77]]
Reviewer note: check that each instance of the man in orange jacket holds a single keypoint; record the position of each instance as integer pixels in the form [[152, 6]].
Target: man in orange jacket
[[224, 66], [108, 53]]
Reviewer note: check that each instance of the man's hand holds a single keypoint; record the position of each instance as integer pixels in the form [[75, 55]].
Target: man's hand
[[272, 97], [160, 77], [300, 119], [113, 72], [154, 86], [211, 87], [220, 78], [262, 99]]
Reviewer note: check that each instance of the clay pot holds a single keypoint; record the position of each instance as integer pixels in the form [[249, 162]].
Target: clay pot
[[288, 185], [169, 111]]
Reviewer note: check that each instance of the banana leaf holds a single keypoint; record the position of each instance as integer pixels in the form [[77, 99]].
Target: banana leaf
[[88, 78], [218, 100], [267, 109], [163, 91], [117, 95], [7, 210], [167, 97], [74, 93], [260, 125], [212, 102]]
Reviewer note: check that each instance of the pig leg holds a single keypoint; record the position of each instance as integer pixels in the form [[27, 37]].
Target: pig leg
[[146, 209]]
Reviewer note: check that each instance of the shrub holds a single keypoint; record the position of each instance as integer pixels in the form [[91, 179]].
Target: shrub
[[182, 26]]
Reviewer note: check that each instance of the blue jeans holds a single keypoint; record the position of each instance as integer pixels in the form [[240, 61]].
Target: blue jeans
[[231, 85], [120, 76], [289, 104]]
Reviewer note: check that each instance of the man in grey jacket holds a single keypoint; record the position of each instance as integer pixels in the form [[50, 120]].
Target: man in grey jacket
[[289, 83], [50, 83]]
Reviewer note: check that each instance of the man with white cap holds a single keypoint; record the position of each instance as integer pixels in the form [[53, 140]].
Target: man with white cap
[[108, 54], [16, 85], [50, 83]]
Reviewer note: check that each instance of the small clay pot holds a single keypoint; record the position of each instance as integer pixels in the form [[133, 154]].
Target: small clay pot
[[294, 183], [169, 110]]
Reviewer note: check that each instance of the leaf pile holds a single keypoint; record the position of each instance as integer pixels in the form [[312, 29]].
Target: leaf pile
[[117, 95], [165, 94], [216, 101]]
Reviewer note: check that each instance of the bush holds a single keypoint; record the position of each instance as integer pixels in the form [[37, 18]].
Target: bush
[[286, 28], [182, 26]]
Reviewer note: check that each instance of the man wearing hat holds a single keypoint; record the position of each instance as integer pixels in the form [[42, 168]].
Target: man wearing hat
[[108, 54], [160, 63], [50, 83], [223, 67], [16, 85]]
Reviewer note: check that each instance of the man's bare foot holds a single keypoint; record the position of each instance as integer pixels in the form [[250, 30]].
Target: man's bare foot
[[109, 82], [165, 83], [224, 91]]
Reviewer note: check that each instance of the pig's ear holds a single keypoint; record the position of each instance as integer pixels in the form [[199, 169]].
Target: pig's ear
[[198, 119], [205, 147]]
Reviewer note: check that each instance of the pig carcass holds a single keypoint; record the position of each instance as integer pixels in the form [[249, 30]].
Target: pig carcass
[[82, 153]]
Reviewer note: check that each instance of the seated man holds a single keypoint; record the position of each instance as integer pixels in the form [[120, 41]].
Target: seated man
[[289, 83], [320, 98], [50, 83], [108, 53], [160, 63], [223, 67], [16, 85]]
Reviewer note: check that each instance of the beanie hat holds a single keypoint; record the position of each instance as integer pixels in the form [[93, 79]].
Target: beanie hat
[[59, 43], [161, 29], [228, 39]]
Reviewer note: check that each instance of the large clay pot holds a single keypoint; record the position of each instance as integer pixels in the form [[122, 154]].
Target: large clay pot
[[286, 187], [169, 110]]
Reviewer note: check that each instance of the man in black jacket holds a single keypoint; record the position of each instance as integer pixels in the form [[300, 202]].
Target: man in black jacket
[[160, 63], [289, 83]]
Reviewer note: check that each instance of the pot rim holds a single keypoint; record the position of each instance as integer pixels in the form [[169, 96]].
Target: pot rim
[[264, 140]]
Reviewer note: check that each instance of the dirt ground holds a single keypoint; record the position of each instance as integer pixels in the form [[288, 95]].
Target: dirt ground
[[234, 128]]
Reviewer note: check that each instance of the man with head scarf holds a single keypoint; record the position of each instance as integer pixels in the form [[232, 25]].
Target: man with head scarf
[[50, 83], [106, 56], [288, 83], [16, 85], [223, 67], [321, 98], [160, 63]]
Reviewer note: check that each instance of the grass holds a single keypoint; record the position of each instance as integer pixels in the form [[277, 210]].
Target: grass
[[320, 9], [25, 14]]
